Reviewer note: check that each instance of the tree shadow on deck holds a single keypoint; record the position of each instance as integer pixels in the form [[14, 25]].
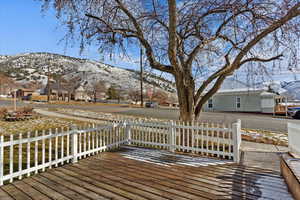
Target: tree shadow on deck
[[242, 184], [164, 157], [255, 183]]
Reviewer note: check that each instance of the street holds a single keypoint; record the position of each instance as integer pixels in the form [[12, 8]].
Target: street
[[249, 120]]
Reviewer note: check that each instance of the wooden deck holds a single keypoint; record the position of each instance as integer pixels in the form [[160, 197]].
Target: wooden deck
[[135, 173]]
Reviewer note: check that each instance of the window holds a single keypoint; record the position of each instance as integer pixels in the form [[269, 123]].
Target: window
[[238, 102], [210, 103], [279, 100]]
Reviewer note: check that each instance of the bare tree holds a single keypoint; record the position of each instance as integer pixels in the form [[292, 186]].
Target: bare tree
[[6, 84], [96, 88], [207, 38], [115, 92], [160, 96], [69, 85], [134, 95], [58, 77]]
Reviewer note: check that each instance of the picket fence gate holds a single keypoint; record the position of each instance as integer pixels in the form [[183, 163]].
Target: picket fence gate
[[27, 154]]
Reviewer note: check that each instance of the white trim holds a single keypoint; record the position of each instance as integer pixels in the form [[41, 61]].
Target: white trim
[[238, 92]]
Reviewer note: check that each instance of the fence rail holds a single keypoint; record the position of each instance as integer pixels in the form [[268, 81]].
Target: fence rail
[[26, 154], [206, 139]]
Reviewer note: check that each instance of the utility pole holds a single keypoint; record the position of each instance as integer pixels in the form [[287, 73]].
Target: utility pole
[[141, 76], [286, 106], [15, 100], [48, 83]]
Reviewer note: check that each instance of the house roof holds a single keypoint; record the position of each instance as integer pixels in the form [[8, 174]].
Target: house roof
[[290, 89], [232, 85], [27, 89]]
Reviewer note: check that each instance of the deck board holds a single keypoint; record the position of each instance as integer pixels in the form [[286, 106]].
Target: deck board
[[15, 192], [44, 189], [31, 192], [161, 177], [81, 187], [135, 173], [59, 187], [185, 181]]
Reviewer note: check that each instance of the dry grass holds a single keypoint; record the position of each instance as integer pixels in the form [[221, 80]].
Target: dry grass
[[6, 99], [90, 103], [266, 137], [61, 125], [42, 123]]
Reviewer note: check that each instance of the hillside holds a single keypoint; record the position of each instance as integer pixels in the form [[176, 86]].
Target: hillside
[[34, 67]]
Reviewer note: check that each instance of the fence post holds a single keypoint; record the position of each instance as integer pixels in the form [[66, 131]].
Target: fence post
[[74, 143], [294, 138], [128, 132], [1, 159], [236, 136], [172, 137]]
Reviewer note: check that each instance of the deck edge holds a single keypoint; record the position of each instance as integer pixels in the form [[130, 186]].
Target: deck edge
[[289, 176]]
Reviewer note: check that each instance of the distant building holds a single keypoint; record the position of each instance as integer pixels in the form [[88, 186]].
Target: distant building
[[236, 96], [25, 92], [80, 94], [57, 92]]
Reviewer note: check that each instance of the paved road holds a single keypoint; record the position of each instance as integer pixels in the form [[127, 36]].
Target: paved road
[[249, 120], [253, 121]]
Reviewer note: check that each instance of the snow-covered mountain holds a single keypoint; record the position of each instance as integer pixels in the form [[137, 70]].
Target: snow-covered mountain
[[34, 67], [289, 89]]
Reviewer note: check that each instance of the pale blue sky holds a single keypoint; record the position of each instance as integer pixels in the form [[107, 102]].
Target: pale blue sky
[[23, 28]]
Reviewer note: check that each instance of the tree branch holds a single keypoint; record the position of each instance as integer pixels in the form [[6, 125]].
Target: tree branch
[[144, 42], [292, 13], [209, 94], [256, 59], [172, 49]]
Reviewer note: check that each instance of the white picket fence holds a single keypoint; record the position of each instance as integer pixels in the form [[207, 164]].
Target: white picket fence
[[208, 139], [52, 148], [26, 154]]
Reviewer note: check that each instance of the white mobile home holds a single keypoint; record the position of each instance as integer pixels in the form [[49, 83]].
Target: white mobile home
[[235, 96]]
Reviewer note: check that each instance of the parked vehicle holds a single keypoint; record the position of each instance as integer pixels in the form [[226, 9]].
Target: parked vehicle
[[151, 104], [26, 98], [39, 98], [294, 112]]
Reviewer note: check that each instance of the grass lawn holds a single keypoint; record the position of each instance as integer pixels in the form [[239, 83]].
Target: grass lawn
[[42, 123], [91, 103], [32, 126]]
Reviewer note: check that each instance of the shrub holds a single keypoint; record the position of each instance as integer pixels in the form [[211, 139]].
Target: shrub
[[3, 112], [25, 110]]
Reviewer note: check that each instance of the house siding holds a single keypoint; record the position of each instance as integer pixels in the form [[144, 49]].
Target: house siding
[[227, 102]]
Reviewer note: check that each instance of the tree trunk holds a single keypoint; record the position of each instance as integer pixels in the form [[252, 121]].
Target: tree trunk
[[185, 90], [69, 96]]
